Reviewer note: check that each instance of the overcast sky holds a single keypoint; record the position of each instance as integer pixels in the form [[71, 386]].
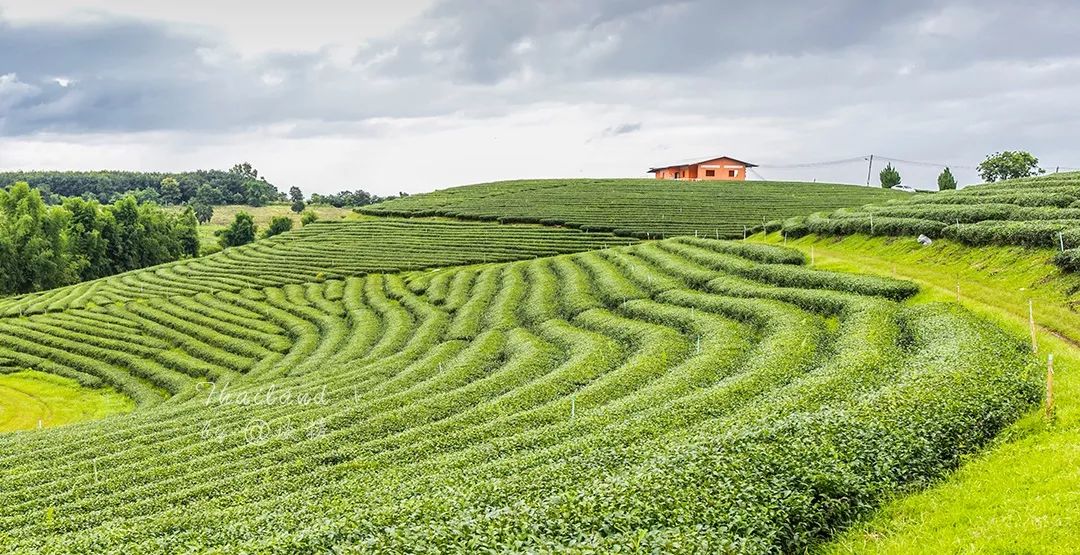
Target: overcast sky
[[424, 94]]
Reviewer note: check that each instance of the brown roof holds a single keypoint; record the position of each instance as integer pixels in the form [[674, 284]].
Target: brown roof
[[696, 161]]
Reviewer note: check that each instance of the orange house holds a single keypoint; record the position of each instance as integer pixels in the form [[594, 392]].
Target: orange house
[[723, 168]]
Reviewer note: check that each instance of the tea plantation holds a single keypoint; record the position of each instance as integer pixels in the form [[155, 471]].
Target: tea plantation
[[1030, 212], [303, 395], [644, 208]]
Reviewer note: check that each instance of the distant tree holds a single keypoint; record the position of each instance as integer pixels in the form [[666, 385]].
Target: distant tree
[[889, 176], [203, 212], [170, 191], [946, 181], [297, 198], [278, 225], [245, 169], [1009, 165], [308, 217], [187, 232], [240, 232]]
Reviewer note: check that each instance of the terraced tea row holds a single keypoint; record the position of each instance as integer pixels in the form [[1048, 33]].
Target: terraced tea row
[[676, 395], [1031, 212], [634, 207], [330, 250]]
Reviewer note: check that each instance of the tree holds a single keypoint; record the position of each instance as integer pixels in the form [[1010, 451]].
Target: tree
[[245, 170], [308, 217], [297, 198], [889, 176], [203, 212], [34, 251], [278, 225], [1009, 165], [170, 191], [946, 181], [240, 232]]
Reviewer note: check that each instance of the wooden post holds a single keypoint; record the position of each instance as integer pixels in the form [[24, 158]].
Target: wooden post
[[744, 233], [871, 223], [1050, 386], [1061, 240], [1031, 324]]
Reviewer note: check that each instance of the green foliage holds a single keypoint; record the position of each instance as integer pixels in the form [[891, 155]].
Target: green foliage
[[278, 225], [680, 395], [241, 185], [641, 208], [889, 176], [348, 199], [308, 217], [170, 191], [297, 198], [1009, 165], [1031, 212], [240, 232], [946, 181], [203, 212], [43, 247], [34, 251]]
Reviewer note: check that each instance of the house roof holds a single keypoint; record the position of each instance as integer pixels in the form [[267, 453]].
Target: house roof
[[696, 161]]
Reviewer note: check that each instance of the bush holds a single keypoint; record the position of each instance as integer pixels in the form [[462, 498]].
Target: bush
[[309, 216], [278, 225]]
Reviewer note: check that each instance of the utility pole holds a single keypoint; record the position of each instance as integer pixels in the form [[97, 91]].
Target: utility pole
[[869, 170]]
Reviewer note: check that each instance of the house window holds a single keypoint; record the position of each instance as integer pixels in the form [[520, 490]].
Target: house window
[[732, 173], [710, 173]]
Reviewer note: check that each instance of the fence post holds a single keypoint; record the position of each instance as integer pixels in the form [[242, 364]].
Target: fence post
[[1050, 386], [1031, 324], [1061, 241]]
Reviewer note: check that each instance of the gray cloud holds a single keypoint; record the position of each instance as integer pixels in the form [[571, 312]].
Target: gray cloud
[[863, 75]]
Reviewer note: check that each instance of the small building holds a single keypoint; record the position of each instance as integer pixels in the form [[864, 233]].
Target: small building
[[723, 168]]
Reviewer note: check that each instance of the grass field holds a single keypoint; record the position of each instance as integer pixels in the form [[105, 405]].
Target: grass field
[[644, 208], [30, 399], [1020, 496], [224, 215], [676, 395]]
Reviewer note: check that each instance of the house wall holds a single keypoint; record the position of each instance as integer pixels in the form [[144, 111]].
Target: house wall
[[720, 166]]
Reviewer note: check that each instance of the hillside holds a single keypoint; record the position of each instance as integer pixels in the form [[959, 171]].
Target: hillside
[[1020, 495], [672, 395], [320, 251], [644, 208], [1031, 212]]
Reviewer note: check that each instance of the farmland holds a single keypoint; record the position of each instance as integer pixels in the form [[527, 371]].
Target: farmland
[[686, 394], [1020, 495], [643, 208], [1036, 212], [319, 251]]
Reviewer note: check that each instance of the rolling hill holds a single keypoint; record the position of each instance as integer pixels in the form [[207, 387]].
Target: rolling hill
[[643, 208], [311, 394]]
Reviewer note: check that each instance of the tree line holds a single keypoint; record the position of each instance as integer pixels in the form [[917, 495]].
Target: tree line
[[996, 167], [44, 246], [239, 185]]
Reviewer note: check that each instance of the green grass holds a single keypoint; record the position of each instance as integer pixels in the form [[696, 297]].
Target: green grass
[[1019, 496], [224, 215], [644, 208], [29, 399]]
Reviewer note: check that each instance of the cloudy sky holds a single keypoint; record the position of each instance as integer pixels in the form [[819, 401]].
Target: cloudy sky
[[424, 94]]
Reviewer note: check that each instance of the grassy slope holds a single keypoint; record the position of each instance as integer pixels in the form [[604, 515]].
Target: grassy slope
[[645, 207], [28, 397], [1019, 496], [224, 215]]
